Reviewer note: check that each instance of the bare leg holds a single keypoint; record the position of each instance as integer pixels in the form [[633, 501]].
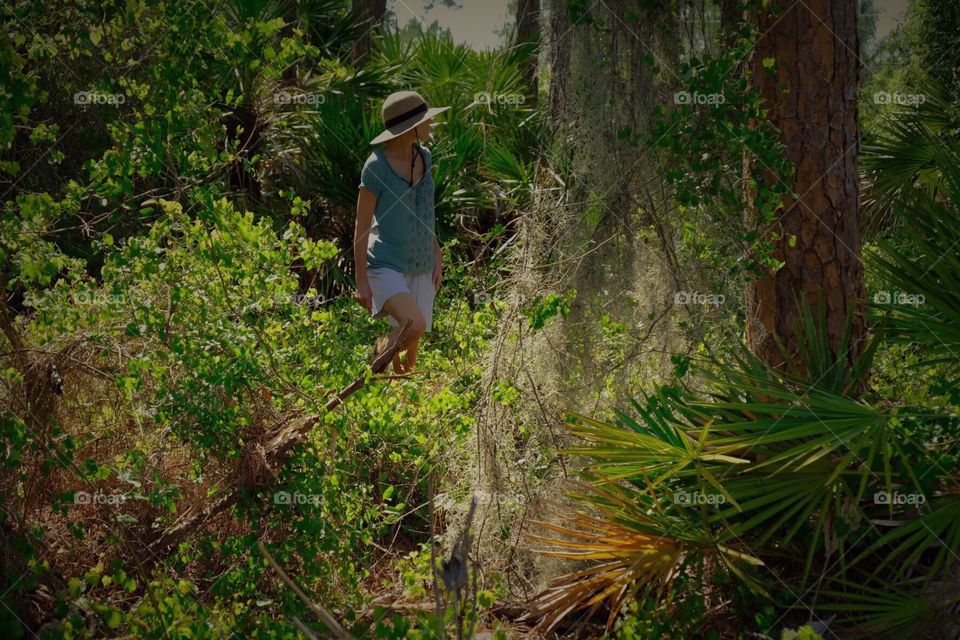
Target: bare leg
[[408, 349], [388, 339], [403, 307], [413, 346]]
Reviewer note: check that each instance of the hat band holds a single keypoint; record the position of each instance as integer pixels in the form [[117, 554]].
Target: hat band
[[406, 115]]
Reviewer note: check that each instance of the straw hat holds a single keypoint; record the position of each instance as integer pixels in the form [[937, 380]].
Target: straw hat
[[402, 111]]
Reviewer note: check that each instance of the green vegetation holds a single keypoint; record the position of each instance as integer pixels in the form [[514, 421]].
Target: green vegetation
[[179, 188]]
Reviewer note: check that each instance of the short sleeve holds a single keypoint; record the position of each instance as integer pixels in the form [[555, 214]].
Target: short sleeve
[[370, 176], [427, 158]]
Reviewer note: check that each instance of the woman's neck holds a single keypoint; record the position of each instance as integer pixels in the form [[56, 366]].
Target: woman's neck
[[401, 147]]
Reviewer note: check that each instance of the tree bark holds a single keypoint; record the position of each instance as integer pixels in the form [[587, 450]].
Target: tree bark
[[528, 22], [559, 60], [729, 13], [373, 11], [814, 46]]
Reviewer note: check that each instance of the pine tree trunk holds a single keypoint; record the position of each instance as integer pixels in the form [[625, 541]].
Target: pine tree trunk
[[729, 12], [528, 19], [373, 11], [559, 59], [814, 45]]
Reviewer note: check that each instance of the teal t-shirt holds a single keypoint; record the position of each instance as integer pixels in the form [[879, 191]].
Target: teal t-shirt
[[404, 224]]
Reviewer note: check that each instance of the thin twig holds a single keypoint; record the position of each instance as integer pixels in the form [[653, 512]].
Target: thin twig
[[303, 629], [327, 619], [433, 552]]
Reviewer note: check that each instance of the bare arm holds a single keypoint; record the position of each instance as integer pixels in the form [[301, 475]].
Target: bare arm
[[366, 203]]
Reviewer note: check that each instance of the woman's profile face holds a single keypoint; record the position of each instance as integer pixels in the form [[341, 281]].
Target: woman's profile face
[[423, 129]]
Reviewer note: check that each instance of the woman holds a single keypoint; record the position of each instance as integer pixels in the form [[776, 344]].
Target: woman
[[397, 256]]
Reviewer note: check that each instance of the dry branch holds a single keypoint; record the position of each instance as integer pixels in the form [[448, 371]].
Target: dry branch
[[264, 455]]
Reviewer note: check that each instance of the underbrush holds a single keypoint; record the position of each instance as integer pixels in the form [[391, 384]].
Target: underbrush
[[193, 349]]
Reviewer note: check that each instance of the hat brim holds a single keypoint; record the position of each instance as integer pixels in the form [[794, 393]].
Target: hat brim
[[406, 125]]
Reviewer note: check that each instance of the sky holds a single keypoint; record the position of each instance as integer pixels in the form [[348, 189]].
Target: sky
[[890, 11], [474, 22]]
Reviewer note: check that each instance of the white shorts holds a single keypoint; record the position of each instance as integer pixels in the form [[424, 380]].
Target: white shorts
[[386, 282]]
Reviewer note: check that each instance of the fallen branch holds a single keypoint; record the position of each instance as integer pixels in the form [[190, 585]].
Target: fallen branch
[[270, 454]]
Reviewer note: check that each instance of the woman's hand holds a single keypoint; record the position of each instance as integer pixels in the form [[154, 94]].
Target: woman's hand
[[364, 295]]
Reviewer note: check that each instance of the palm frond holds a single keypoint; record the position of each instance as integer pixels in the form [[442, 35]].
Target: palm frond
[[925, 307], [629, 550], [902, 156], [900, 610], [933, 537]]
